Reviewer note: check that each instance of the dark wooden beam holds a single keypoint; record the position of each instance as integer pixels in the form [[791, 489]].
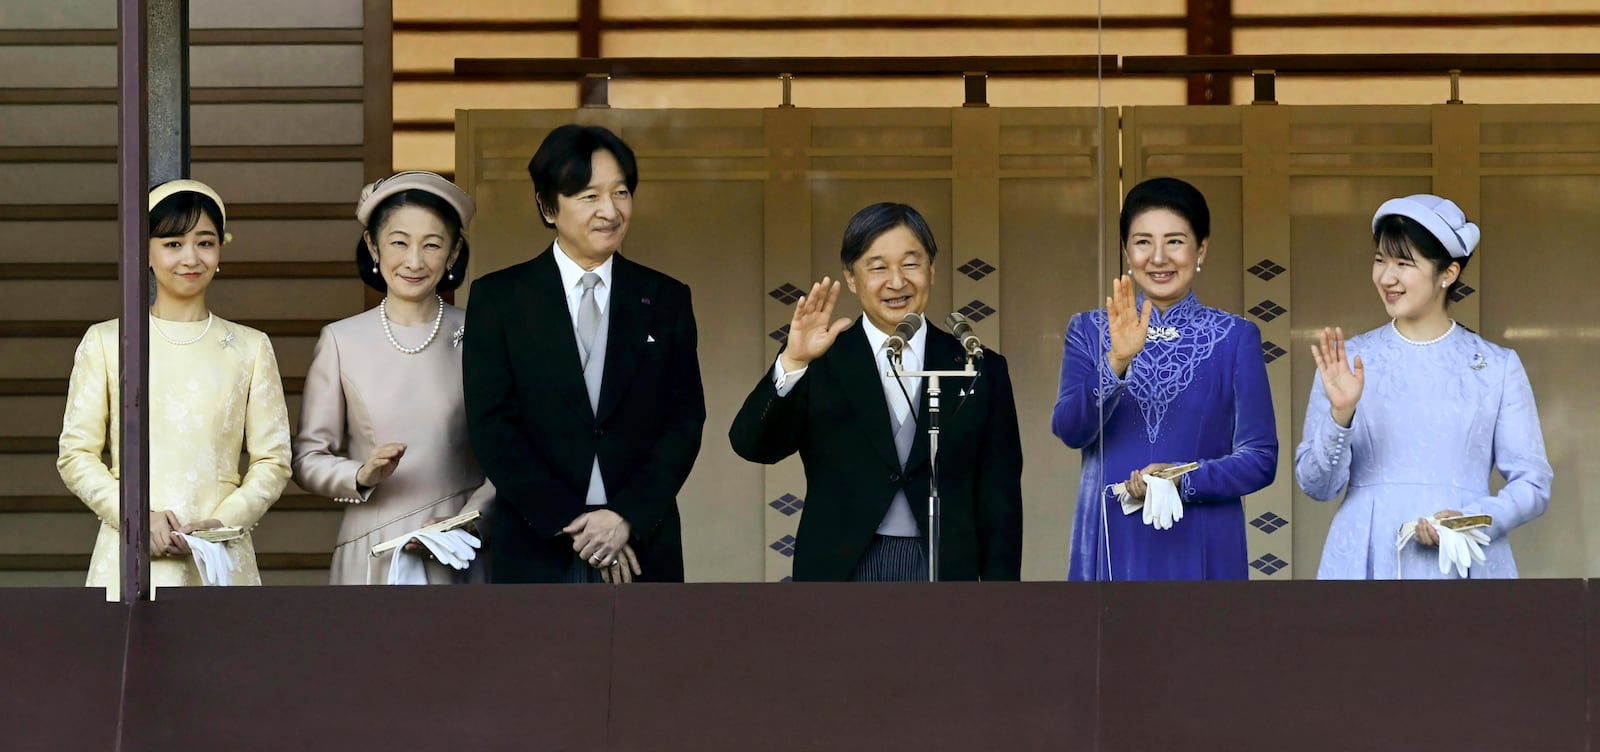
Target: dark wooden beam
[[1210, 32], [592, 89]]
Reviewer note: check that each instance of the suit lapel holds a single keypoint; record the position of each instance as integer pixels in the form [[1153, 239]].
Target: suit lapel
[[856, 368], [545, 304], [631, 311], [944, 354]]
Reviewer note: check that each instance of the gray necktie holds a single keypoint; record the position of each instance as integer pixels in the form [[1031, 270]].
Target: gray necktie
[[588, 314], [905, 434]]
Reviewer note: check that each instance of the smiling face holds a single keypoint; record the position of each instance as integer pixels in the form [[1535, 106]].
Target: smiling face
[[1411, 288], [413, 250], [1163, 255], [185, 265], [591, 224], [892, 278]]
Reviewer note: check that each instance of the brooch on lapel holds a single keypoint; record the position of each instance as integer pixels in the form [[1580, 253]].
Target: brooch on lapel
[[461, 334], [227, 339], [1161, 334], [1478, 362], [644, 301]]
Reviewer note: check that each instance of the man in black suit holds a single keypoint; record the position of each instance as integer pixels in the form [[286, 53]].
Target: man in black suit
[[865, 448], [583, 394]]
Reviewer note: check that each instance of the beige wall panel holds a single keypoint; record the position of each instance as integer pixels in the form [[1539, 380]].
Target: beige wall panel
[[29, 183], [1084, 92], [426, 151], [283, 182], [1385, 7], [294, 360], [1332, 286], [275, 124], [1537, 300], [58, 125], [59, 14], [58, 67], [302, 577], [274, 65], [36, 358], [232, 299], [486, 10], [1049, 230], [296, 531], [438, 50], [32, 416], [1329, 41], [833, 93], [833, 42], [440, 100], [277, 14], [688, 9], [48, 533], [706, 234]]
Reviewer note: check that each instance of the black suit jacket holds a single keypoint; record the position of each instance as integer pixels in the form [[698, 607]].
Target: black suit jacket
[[533, 430], [836, 417]]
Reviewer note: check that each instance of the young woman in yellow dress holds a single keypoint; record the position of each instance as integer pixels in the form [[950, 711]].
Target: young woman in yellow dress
[[214, 390]]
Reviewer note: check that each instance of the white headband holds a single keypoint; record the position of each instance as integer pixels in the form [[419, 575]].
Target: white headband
[[1440, 216], [172, 187]]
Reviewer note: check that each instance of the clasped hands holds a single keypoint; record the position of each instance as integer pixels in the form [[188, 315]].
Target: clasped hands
[[1157, 496], [1458, 548], [600, 538], [167, 531]]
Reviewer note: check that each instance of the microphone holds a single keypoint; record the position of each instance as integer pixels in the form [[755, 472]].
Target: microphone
[[962, 329], [902, 334]]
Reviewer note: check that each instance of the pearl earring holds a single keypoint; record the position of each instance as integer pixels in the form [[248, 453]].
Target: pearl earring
[[1197, 268], [219, 269], [1445, 283], [449, 276], [374, 267]]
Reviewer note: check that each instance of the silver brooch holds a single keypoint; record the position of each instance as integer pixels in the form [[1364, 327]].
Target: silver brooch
[[227, 339], [1478, 363], [1161, 334], [461, 334]]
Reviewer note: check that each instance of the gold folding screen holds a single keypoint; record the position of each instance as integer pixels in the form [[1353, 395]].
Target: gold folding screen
[[747, 206]]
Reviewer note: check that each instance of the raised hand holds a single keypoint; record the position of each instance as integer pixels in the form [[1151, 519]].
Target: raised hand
[[1128, 327], [385, 459], [1340, 380], [811, 330]]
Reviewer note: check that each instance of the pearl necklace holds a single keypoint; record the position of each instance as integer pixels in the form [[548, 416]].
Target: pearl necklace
[[1422, 343], [210, 317], [383, 313]]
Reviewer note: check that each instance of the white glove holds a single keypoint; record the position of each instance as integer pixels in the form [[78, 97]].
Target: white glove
[[453, 548], [1162, 504], [1460, 548], [212, 560]]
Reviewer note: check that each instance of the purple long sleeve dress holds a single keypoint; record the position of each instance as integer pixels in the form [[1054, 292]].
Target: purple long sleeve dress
[[1198, 391]]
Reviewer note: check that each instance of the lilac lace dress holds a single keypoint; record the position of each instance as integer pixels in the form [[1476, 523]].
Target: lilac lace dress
[[1433, 419], [1198, 391]]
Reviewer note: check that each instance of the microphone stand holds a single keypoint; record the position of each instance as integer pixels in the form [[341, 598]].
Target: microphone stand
[[931, 382]]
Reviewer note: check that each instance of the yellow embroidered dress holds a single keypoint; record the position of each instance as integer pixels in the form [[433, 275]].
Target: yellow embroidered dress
[[208, 401]]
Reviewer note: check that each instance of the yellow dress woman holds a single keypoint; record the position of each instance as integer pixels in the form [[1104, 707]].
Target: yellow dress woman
[[214, 390]]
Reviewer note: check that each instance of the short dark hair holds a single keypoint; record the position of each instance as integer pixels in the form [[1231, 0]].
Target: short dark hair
[[1401, 237], [877, 219], [1172, 194], [177, 214], [563, 164], [422, 200]]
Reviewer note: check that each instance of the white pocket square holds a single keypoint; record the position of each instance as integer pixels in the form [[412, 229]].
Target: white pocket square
[[648, 338]]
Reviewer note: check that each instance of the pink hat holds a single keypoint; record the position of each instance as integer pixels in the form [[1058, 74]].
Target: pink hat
[[420, 180]]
